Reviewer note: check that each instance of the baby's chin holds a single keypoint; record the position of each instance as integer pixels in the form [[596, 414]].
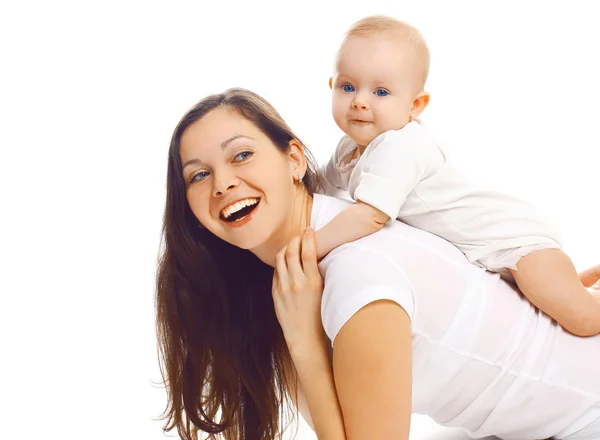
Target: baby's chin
[[364, 139]]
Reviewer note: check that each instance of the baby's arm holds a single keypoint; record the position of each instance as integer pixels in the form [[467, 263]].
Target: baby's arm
[[391, 167], [352, 223]]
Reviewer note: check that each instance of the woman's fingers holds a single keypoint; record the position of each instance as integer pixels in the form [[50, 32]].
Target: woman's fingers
[[294, 264], [309, 255], [281, 271], [296, 296], [275, 285]]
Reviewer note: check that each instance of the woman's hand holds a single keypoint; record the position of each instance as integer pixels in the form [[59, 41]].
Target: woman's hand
[[297, 291]]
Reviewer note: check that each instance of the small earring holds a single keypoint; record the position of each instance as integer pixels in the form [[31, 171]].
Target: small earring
[[299, 178]]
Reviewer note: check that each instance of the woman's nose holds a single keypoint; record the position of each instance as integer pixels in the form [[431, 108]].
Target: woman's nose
[[224, 184]]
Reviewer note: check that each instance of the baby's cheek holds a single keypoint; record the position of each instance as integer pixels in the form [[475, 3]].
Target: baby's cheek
[[395, 121], [339, 116], [336, 106]]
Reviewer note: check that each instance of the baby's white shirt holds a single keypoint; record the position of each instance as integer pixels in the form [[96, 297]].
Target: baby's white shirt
[[405, 174]]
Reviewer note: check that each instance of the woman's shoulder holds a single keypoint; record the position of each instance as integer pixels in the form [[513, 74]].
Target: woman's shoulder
[[398, 263], [355, 276]]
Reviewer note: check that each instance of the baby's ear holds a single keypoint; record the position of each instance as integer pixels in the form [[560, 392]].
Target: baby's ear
[[331, 83], [419, 105]]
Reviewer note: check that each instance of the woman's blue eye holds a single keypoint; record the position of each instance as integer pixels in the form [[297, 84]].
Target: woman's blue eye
[[199, 176], [347, 88], [240, 157], [381, 92]]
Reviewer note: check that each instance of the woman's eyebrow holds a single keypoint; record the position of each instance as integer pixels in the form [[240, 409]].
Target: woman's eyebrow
[[224, 145], [191, 162], [233, 138]]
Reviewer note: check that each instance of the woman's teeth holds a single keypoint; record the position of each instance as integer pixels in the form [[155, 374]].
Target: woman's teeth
[[238, 206]]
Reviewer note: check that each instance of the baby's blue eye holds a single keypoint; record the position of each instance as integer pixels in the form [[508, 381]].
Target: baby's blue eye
[[347, 88], [240, 157], [381, 92]]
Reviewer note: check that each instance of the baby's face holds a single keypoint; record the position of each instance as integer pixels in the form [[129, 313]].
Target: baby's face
[[373, 86]]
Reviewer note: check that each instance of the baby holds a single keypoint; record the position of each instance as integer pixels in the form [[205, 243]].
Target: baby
[[392, 167]]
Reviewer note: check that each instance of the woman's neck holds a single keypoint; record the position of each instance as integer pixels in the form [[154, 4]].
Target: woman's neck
[[299, 220]]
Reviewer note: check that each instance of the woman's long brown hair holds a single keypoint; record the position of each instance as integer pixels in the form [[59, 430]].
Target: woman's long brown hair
[[224, 360]]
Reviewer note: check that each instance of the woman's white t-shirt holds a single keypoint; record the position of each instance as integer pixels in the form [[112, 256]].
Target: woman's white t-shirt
[[484, 358]]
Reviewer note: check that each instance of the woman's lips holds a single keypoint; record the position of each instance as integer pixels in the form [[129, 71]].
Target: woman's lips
[[244, 220]]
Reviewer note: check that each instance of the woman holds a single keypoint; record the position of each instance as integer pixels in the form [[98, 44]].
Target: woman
[[399, 304]]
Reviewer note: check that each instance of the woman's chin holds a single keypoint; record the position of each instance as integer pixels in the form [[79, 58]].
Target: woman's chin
[[245, 238], [246, 244]]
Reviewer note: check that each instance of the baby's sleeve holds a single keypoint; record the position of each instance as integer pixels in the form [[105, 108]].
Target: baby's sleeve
[[355, 277], [335, 174], [392, 166], [331, 178]]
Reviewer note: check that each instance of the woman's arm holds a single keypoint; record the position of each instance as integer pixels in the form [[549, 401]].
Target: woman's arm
[[318, 388], [372, 364], [371, 394], [372, 361], [297, 291]]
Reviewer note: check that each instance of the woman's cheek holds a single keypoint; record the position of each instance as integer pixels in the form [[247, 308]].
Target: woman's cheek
[[198, 204]]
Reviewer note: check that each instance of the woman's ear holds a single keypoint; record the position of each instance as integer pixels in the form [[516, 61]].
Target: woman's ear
[[297, 158], [419, 105]]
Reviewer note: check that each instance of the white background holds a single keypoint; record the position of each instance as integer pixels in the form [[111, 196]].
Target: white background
[[90, 93]]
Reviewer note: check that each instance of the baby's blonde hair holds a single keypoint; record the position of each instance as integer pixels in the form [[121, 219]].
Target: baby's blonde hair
[[381, 24]]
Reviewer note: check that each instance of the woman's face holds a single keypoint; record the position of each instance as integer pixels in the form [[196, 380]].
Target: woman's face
[[239, 185]]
